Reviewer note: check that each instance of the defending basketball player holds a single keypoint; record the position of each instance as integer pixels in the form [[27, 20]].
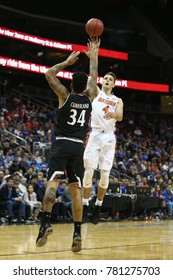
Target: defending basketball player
[[66, 154], [107, 109]]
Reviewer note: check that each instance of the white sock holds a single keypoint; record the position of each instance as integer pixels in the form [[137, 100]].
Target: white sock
[[85, 201], [98, 202]]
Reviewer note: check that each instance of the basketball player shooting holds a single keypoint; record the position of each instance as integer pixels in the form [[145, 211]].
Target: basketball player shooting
[[107, 109]]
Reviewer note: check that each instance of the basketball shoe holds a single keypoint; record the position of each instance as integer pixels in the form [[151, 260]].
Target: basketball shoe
[[44, 231], [77, 243]]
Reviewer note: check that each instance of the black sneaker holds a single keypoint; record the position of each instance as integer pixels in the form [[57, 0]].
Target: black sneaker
[[11, 220], [21, 220], [77, 243], [85, 214], [96, 215], [44, 231]]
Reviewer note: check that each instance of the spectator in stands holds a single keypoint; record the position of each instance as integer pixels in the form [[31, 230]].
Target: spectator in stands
[[20, 194], [168, 197], [6, 173], [30, 197], [138, 179], [24, 163], [42, 143], [2, 159], [124, 185], [5, 147], [16, 178], [14, 167], [13, 144], [28, 174], [145, 182], [44, 170], [44, 162], [2, 179], [10, 200], [67, 199], [59, 211], [170, 169], [65, 194], [138, 133], [62, 186], [38, 157], [34, 162], [160, 182], [22, 185], [40, 179], [157, 192], [7, 162], [10, 153], [33, 181]]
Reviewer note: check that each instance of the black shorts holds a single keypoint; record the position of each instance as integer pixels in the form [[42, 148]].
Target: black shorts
[[67, 156]]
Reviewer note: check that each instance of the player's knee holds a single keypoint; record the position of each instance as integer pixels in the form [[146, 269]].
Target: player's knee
[[88, 176], [104, 179]]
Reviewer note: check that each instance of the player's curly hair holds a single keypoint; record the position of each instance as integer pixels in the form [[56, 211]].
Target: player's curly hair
[[79, 82]]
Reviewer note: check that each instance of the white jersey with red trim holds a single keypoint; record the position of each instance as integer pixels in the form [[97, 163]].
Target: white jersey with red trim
[[101, 104]]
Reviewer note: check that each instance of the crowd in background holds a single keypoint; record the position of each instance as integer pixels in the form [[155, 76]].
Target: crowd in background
[[142, 157]]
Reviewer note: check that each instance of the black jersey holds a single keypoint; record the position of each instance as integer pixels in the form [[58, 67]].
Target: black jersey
[[74, 116]]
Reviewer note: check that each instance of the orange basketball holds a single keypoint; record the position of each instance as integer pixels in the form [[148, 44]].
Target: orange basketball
[[94, 27]]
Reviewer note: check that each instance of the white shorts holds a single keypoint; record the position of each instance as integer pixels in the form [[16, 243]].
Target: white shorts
[[100, 150]]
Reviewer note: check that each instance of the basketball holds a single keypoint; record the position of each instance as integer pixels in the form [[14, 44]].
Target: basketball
[[94, 27]]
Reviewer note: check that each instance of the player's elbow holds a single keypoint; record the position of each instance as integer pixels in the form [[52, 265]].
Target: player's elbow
[[119, 117], [47, 74]]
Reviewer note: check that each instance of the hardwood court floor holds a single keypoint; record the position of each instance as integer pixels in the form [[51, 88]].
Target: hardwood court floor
[[132, 240]]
